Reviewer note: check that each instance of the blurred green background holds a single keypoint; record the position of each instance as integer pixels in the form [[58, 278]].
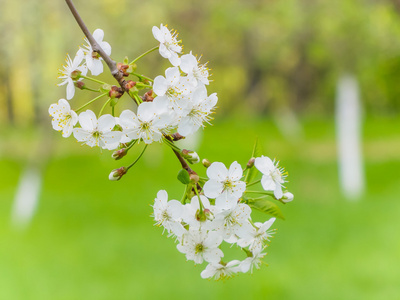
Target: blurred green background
[[275, 68]]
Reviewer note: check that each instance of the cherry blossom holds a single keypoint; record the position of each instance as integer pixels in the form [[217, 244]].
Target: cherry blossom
[[173, 87], [233, 221], [168, 213], [273, 176], [219, 270], [253, 261], [199, 245], [99, 132], [93, 59], [147, 124], [64, 118], [198, 111], [71, 72], [196, 73], [169, 46], [224, 185], [256, 235]]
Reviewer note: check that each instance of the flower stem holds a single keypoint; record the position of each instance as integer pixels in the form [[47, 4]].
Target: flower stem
[[104, 106], [170, 144], [137, 159], [137, 98], [142, 76], [200, 203], [91, 101], [92, 79], [142, 55], [89, 89], [253, 183], [183, 200], [131, 145], [268, 193]]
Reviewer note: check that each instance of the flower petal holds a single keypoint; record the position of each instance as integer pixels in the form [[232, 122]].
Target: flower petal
[[217, 171]]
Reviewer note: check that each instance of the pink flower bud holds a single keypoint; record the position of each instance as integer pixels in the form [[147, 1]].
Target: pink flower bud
[[250, 164], [116, 174], [118, 154]]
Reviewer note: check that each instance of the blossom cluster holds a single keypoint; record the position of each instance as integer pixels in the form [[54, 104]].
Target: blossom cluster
[[213, 210], [177, 101], [221, 212]]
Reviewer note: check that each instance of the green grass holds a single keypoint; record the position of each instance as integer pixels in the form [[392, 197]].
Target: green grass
[[94, 239]]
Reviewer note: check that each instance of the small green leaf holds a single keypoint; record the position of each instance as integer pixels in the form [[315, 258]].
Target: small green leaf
[[257, 152], [183, 176], [266, 206]]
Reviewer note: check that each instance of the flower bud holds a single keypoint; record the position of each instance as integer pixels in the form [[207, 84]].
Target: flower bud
[[118, 154], [115, 92], [123, 68], [131, 86], [191, 156], [148, 96], [250, 164], [287, 197], [206, 162], [194, 178], [80, 85], [116, 174], [209, 214]]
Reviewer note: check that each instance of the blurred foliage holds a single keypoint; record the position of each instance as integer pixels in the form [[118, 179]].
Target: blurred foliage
[[265, 54], [94, 239]]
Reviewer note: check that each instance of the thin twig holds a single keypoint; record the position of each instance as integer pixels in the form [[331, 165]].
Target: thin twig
[[183, 162], [118, 75]]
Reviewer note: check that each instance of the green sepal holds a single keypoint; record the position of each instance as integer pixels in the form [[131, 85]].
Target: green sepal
[[126, 60], [183, 176], [114, 102], [266, 206]]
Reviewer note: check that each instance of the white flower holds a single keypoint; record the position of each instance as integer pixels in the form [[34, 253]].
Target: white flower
[[233, 221], [63, 117], [97, 132], [169, 46], [192, 210], [71, 73], [273, 176], [93, 59], [196, 73], [254, 261], [147, 124], [219, 270], [173, 87], [256, 236], [200, 245], [168, 213], [198, 111], [225, 186]]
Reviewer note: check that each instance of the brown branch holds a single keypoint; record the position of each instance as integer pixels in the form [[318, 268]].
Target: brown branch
[[183, 162], [118, 75]]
